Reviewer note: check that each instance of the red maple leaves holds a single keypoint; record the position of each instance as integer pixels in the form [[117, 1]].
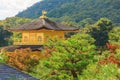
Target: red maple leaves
[[111, 58], [111, 47]]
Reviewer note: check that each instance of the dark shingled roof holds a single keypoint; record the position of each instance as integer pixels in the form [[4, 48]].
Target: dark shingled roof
[[43, 24], [13, 47]]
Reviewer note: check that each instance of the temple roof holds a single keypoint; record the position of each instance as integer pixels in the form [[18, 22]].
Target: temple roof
[[14, 47], [43, 24]]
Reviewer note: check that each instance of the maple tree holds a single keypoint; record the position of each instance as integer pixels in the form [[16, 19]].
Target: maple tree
[[24, 59]]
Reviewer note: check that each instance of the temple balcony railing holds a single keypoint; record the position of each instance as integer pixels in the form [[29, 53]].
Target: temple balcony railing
[[20, 41]]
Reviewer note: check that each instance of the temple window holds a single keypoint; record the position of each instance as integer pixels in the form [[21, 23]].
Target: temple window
[[39, 38]]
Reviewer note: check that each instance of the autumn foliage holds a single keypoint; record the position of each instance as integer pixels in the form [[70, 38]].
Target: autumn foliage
[[111, 58], [23, 59], [111, 47]]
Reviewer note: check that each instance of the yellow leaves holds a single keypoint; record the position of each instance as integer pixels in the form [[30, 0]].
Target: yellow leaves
[[23, 58]]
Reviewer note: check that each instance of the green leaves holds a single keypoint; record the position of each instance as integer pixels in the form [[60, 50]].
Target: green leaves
[[6, 38], [3, 58], [70, 57], [100, 72], [99, 31], [114, 36]]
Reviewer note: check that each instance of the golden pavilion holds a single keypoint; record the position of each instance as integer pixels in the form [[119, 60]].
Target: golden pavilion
[[40, 30]]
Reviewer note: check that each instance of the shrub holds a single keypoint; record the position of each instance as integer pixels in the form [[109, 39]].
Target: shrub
[[101, 72], [111, 47], [3, 57], [24, 59], [111, 59]]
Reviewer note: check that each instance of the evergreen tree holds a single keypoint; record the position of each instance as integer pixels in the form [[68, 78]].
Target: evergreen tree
[[69, 59]]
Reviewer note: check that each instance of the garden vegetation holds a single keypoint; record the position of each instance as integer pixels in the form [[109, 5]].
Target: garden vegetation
[[92, 54]]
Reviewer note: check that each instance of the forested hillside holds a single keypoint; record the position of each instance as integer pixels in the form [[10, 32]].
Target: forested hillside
[[75, 10]]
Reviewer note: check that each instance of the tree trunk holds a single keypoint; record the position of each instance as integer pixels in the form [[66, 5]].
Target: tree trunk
[[74, 74]]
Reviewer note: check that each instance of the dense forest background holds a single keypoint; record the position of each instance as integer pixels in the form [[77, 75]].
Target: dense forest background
[[75, 10]]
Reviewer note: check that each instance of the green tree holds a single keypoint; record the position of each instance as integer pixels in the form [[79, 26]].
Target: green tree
[[114, 36], [69, 59], [114, 39], [13, 22], [99, 31], [86, 22], [5, 36], [101, 72]]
